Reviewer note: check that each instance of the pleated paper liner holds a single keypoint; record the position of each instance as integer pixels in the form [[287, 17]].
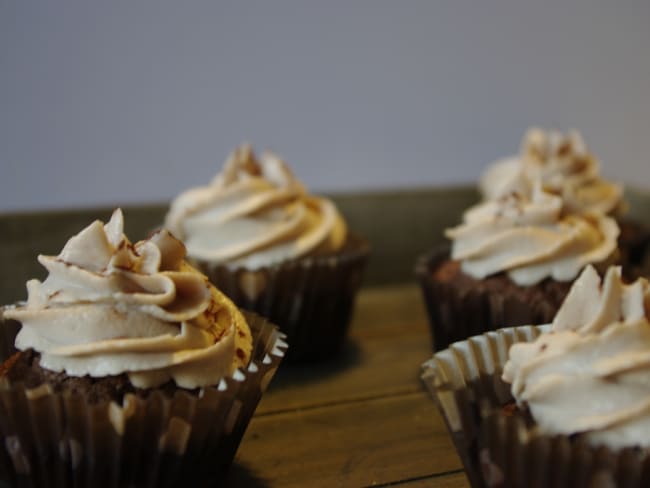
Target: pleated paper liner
[[456, 314], [311, 299], [499, 444], [633, 241], [8, 331], [61, 440]]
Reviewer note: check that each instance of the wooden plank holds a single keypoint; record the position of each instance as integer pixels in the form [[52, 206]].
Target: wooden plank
[[391, 305], [389, 339], [454, 480], [356, 444]]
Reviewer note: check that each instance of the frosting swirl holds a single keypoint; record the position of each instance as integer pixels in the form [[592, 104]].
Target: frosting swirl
[[598, 349], [110, 307], [530, 239], [563, 166], [253, 214]]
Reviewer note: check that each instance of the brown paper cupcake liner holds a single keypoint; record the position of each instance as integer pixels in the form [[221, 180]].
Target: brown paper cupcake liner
[[8, 331], [456, 314], [311, 299], [499, 445], [633, 241], [60, 439]]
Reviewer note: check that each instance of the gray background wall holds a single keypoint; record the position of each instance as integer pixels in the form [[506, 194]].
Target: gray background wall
[[128, 101]]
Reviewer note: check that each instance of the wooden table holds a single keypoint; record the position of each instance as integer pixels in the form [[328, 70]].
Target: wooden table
[[363, 419]]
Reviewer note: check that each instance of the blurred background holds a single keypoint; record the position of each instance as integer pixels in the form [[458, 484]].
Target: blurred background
[[130, 101]]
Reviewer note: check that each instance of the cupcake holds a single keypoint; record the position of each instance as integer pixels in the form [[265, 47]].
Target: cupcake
[[564, 166], [275, 249], [512, 262], [131, 368], [565, 404]]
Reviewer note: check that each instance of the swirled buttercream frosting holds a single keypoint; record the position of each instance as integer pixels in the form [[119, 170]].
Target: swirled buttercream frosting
[[562, 165], [109, 307], [590, 374], [530, 239], [253, 214]]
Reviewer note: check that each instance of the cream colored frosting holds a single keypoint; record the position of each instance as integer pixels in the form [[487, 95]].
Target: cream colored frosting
[[253, 214], [110, 307], [591, 373], [563, 166], [530, 239]]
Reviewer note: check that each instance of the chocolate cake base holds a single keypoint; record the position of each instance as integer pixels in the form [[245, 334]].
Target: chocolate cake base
[[460, 306], [548, 293], [24, 367]]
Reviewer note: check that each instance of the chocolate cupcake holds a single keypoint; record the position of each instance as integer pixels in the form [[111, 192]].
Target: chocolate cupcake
[[512, 262], [564, 404], [131, 369], [274, 249]]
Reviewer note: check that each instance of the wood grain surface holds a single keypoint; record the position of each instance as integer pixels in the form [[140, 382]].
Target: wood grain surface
[[360, 420]]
